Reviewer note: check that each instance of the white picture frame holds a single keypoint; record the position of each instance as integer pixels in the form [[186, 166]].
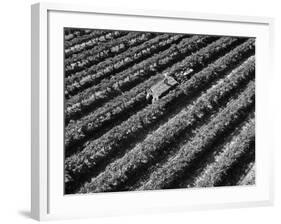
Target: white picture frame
[[47, 198]]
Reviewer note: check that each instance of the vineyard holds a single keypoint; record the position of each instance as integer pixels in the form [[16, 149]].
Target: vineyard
[[148, 111]]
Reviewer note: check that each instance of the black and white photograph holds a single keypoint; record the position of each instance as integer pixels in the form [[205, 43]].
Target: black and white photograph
[[153, 111]]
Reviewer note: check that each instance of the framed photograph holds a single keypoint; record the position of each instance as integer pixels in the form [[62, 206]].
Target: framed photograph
[[138, 111]]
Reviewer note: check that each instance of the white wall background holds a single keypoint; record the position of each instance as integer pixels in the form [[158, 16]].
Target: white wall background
[[15, 110]]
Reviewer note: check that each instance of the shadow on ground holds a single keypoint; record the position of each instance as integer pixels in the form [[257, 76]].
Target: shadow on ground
[[25, 213]]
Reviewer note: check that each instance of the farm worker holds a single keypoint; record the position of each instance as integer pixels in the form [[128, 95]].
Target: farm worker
[[149, 95], [166, 78]]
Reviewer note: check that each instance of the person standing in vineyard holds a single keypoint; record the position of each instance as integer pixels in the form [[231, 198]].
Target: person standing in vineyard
[[166, 81]]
